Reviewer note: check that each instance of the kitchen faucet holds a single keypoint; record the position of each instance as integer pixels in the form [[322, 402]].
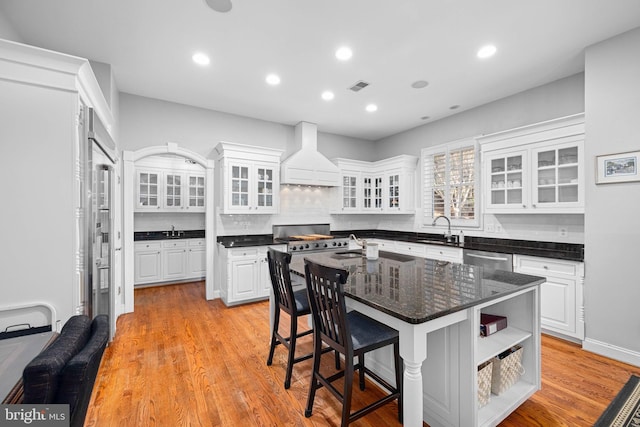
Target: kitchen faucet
[[173, 231], [360, 242], [447, 234]]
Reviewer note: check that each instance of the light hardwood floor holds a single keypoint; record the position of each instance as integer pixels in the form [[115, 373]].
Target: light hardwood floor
[[180, 360]]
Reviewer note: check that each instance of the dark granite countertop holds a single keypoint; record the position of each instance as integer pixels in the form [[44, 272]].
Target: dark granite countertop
[[166, 235], [566, 251], [247, 240], [417, 290]]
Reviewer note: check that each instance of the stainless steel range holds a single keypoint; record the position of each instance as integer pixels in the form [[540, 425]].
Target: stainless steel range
[[305, 238]]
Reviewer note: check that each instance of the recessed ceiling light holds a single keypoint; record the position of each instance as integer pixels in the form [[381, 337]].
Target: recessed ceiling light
[[425, 118], [273, 79], [200, 58], [454, 107], [344, 53], [219, 5], [327, 95], [487, 51], [371, 108], [419, 84]]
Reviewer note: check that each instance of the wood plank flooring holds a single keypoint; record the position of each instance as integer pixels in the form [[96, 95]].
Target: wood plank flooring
[[180, 360]]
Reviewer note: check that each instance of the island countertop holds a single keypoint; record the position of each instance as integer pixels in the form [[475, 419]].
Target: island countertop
[[417, 290]]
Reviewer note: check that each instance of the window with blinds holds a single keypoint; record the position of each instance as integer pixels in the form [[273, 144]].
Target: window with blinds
[[450, 182]]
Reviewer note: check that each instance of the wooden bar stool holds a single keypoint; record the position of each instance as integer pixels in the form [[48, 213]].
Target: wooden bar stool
[[350, 333], [295, 304]]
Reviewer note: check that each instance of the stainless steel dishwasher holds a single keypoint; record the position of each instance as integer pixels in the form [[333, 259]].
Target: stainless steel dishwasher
[[488, 260]]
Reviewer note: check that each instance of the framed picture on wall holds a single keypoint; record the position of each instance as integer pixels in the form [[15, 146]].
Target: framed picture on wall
[[613, 168]]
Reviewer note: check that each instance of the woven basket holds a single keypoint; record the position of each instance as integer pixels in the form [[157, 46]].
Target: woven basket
[[507, 371], [484, 383]]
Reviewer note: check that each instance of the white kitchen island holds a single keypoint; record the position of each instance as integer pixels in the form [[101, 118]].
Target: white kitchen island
[[436, 308]]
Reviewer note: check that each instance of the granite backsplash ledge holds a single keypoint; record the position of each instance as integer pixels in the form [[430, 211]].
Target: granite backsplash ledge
[[557, 250], [566, 251]]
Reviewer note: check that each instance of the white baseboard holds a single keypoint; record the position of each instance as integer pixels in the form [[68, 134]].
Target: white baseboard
[[614, 352]]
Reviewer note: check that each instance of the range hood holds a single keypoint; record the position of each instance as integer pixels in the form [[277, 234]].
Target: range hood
[[307, 166]]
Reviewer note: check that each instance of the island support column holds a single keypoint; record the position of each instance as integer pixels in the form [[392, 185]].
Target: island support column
[[413, 350]]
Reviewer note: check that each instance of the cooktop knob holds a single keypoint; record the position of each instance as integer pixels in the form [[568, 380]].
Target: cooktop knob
[[306, 246], [326, 246], [333, 244]]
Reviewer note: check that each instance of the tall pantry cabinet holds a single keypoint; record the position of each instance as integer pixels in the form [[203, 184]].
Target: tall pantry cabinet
[[41, 134]]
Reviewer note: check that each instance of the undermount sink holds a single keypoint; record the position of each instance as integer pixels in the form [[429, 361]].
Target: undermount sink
[[348, 254], [438, 242]]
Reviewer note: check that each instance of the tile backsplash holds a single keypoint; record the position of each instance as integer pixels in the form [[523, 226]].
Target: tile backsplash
[[317, 205]]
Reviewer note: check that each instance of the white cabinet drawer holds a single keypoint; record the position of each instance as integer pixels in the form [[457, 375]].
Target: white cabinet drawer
[[196, 242], [243, 252], [385, 245], [144, 246], [444, 253], [174, 243], [413, 249], [546, 266]]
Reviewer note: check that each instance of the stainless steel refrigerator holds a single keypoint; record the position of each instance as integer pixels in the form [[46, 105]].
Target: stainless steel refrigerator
[[97, 291]]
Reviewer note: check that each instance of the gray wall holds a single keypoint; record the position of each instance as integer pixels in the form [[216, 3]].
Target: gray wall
[[145, 122], [612, 227], [556, 99], [563, 97], [7, 31]]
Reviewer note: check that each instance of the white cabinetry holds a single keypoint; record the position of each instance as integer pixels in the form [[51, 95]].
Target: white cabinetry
[[167, 184], [169, 260], [562, 301], [249, 179], [535, 169], [385, 186], [148, 262], [439, 252], [522, 311], [245, 273], [444, 253], [174, 259], [196, 258]]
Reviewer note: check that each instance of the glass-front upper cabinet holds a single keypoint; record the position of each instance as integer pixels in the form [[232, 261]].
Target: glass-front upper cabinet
[[393, 193], [148, 194], [556, 176], [384, 186], [196, 192], [173, 190], [349, 191], [507, 180], [535, 169], [249, 178], [169, 184], [372, 192], [239, 186], [265, 187]]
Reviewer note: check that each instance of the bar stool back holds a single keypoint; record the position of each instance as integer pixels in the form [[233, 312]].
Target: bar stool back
[[294, 303], [352, 334]]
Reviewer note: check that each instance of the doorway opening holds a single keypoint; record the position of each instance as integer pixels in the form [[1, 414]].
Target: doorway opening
[[177, 201]]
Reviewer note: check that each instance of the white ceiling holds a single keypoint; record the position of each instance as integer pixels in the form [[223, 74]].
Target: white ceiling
[[149, 44]]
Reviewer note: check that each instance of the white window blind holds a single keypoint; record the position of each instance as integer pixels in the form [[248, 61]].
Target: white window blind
[[450, 178]]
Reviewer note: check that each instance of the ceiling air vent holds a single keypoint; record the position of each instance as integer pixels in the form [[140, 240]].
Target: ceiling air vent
[[359, 86]]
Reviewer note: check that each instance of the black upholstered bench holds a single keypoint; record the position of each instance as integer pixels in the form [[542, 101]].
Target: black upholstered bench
[[65, 371]]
